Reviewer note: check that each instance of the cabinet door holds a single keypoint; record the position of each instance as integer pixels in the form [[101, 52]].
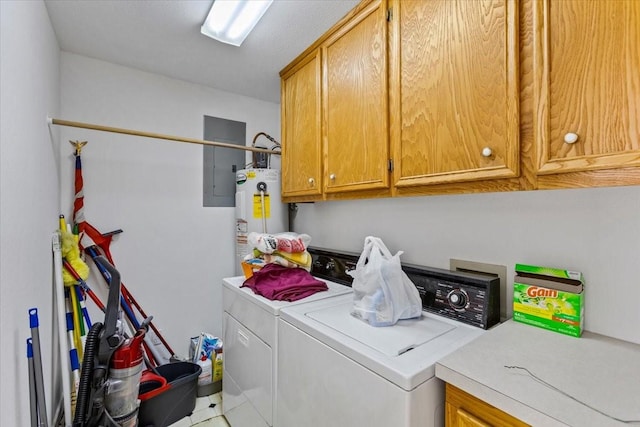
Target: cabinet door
[[587, 84], [465, 419], [454, 91], [301, 129], [465, 410], [355, 106]]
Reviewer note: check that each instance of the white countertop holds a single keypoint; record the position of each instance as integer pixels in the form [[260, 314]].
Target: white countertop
[[601, 372]]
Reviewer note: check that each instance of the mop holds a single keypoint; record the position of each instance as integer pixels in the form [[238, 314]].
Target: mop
[[71, 256], [62, 324], [85, 287]]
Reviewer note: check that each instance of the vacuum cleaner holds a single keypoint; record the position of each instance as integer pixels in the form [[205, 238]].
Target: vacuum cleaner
[[111, 367]]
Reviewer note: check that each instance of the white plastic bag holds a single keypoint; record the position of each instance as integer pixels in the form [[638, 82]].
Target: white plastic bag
[[382, 292]]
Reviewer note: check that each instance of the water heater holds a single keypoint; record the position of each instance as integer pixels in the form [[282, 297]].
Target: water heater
[[259, 207]]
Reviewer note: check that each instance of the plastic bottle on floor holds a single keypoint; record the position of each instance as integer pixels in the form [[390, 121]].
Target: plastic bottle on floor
[[206, 376]]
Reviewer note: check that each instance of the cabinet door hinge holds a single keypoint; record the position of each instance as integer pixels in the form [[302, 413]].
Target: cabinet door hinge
[[390, 165], [389, 14]]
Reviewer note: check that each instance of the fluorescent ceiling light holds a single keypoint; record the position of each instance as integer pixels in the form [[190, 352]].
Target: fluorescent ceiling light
[[231, 21]]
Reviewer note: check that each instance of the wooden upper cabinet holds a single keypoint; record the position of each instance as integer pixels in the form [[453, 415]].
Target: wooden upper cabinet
[[586, 85], [454, 91], [458, 96], [301, 129], [355, 105]]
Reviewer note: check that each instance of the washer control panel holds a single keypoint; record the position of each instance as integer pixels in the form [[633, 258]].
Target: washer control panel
[[467, 297]]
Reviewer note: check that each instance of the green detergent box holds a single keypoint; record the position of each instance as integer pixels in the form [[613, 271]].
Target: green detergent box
[[549, 298]]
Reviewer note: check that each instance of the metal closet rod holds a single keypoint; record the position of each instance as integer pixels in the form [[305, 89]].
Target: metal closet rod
[[69, 123]]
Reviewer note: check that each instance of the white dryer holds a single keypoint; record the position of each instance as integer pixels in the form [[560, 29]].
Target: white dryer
[[251, 341], [336, 370]]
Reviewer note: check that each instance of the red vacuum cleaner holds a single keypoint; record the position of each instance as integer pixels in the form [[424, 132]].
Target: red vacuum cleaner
[[111, 368]]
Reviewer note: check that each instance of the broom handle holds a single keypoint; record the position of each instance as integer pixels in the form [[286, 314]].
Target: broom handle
[[76, 319], [37, 363], [144, 315], [33, 399], [83, 307], [73, 351]]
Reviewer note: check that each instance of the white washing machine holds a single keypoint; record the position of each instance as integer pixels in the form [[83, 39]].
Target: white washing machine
[[336, 370], [251, 342]]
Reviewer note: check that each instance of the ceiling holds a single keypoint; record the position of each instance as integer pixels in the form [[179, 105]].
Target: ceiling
[[163, 37]]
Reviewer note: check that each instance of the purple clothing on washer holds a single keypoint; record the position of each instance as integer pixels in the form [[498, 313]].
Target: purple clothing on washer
[[276, 282]]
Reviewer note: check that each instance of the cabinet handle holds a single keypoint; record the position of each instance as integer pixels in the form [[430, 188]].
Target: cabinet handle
[[312, 182], [487, 152], [332, 177], [571, 138]]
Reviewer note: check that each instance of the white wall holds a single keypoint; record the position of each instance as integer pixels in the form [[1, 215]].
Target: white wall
[[29, 198], [173, 253], [596, 231]]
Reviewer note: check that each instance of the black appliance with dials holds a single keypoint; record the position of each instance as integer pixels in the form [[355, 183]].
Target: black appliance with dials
[[333, 265], [471, 298]]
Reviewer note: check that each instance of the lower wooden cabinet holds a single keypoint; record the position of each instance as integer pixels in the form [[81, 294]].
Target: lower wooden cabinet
[[465, 410]]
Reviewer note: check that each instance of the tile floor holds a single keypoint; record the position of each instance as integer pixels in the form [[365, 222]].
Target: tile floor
[[204, 415]]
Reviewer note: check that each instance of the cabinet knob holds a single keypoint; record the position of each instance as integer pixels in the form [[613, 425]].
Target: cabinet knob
[[570, 138], [332, 177], [312, 182], [487, 152]]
